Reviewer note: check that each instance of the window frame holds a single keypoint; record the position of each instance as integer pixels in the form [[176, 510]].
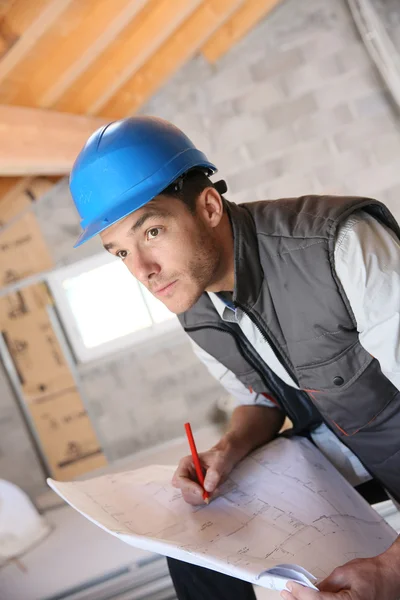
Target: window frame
[[82, 353]]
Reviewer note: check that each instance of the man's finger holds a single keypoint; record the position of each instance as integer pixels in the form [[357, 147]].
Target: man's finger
[[300, 592], [211, 480], [194, 499], [185, 471], [334, 583], [192, 492]]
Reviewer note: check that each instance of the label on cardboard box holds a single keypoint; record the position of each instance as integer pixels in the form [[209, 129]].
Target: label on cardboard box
[[66, 435], [32, 343], [23, 250], [63, 427]]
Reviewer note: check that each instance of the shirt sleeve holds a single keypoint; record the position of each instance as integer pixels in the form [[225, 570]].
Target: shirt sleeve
[[367, 262], [241, 394]]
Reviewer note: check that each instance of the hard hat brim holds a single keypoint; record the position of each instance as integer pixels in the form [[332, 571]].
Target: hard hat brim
[[132, 201]]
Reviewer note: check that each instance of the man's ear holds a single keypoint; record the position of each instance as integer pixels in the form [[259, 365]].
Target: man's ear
[[210, 206]]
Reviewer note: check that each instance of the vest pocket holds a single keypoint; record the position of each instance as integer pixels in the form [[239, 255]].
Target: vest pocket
[[377, 445], [354, 404]]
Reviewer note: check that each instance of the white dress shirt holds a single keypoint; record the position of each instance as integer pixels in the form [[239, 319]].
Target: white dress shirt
[[367, 262]]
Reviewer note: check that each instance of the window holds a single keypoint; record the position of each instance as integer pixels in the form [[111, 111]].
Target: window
[[103, 308]]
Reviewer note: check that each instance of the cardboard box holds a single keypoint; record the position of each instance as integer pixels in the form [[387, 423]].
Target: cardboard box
[[62, 425], [18, 193], [39, 186], [23, 302], [32, 343], [23, 250], [66, 435], [14, 197]]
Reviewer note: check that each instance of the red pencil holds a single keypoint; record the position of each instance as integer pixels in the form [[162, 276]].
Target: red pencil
[[196, 461]]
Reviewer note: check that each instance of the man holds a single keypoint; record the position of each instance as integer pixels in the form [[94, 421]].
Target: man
[[292, 304]]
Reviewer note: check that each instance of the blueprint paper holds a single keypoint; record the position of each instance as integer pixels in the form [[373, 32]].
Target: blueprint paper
[[284, 513]]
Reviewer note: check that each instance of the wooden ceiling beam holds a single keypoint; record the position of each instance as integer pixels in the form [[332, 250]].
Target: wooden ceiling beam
[[24, 23], [134, 46], [240, 23], [40, 142], [102, 24], [5, 7], [65, 50], [179, 48]]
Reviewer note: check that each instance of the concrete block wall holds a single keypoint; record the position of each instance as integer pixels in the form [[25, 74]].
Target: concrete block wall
[[144, 397], [294, 108]]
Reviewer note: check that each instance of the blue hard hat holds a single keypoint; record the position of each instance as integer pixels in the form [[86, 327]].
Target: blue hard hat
[[125, 164]]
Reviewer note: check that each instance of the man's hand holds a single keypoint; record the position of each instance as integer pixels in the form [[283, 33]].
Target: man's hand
[[375, 578], [251, 426], [218, 462]]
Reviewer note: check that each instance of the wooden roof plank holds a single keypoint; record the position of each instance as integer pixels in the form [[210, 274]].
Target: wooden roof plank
[[135, 45], [179, 48], [246, 17], [73, 42], [103, 25], [28, 21], [5, 7], [40, 142]]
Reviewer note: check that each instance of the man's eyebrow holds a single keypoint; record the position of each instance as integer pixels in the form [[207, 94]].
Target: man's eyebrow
[[147, 215], [154, 212]]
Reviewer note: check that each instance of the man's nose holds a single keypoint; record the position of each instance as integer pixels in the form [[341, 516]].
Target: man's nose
[[142, 266]]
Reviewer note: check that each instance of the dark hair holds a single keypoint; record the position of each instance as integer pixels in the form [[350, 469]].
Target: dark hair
[[189, 186]]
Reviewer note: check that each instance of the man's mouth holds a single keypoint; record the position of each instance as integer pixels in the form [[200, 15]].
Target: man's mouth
[[165, 289]]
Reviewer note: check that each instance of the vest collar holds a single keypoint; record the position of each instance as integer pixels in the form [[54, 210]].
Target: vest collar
[[248, 271]]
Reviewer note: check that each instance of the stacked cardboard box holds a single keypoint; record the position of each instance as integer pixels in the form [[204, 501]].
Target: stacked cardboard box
[[47, 385]]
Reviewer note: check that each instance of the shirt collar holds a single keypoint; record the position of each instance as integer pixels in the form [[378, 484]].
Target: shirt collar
[[226, 314]]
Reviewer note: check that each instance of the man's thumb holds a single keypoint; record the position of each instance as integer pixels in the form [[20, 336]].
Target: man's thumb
[[334, 583], [211, 480]]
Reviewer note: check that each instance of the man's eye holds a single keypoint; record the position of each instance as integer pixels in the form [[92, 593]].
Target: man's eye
[[152, 233], [122, 254]]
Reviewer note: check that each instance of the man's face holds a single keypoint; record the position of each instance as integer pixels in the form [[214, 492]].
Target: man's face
[[172, 252]]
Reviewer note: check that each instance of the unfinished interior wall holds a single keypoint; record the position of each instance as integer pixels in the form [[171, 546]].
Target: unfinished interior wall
[[389, 13], [295, 108], [41, 377]]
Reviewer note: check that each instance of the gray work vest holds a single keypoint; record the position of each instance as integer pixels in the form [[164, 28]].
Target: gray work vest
[[285, 281]]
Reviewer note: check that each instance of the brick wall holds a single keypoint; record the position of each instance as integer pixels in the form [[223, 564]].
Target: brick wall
[[296, 107]]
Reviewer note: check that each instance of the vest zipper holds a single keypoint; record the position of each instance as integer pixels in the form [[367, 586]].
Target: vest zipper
[[249, 355], [277, 352]]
